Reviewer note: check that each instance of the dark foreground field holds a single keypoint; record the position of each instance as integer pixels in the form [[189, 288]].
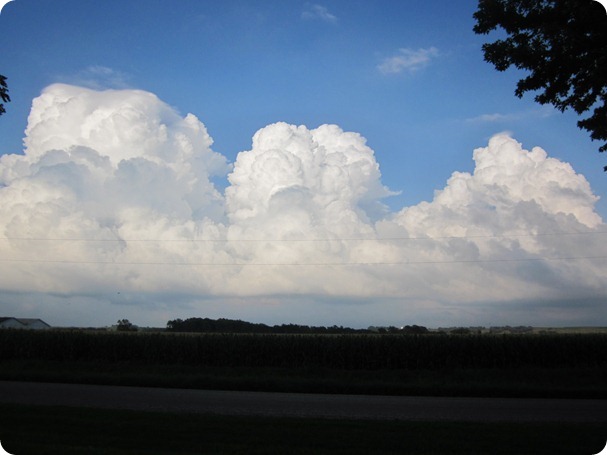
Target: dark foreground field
[[548, 365], [26, 430]]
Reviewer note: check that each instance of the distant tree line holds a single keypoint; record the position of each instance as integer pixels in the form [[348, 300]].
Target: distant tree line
[[408, 329], [222, 325], [206, 325]]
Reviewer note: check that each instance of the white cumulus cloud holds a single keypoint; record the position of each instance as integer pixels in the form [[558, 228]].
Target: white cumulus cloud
[[112, 208], [318, 12], [408, 60]]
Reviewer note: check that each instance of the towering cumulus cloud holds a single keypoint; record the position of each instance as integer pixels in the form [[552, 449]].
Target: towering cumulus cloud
[[113, 203]]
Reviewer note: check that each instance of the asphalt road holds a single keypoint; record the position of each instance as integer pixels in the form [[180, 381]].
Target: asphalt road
[[459, 409]]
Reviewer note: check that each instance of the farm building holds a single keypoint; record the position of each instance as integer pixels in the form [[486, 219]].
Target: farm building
[[23, 323]]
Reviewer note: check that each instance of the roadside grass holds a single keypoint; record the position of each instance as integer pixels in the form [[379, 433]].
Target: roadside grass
[[581, 382], [39, 430]]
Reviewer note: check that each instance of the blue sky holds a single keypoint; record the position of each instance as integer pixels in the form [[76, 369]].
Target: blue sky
[[240, 65], [407, 76]]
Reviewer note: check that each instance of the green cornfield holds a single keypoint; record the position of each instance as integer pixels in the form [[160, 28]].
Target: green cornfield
[[348, 352]]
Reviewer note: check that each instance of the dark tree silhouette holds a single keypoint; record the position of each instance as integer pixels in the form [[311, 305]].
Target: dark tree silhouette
[[124, 325], [563, 43], [3, 93], [222, 325]]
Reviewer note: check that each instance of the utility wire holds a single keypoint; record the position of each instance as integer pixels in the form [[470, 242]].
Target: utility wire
[[319, 264], [336, 239], [314, 264]]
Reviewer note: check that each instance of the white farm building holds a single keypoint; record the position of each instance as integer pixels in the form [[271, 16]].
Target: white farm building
[[23, 323]]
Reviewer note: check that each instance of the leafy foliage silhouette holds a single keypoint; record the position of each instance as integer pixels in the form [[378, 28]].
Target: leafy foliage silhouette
[[3, 93], [563, 43]]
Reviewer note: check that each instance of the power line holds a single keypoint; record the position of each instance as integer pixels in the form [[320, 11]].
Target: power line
[[318, 264], [333, 239], [315, 264]]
